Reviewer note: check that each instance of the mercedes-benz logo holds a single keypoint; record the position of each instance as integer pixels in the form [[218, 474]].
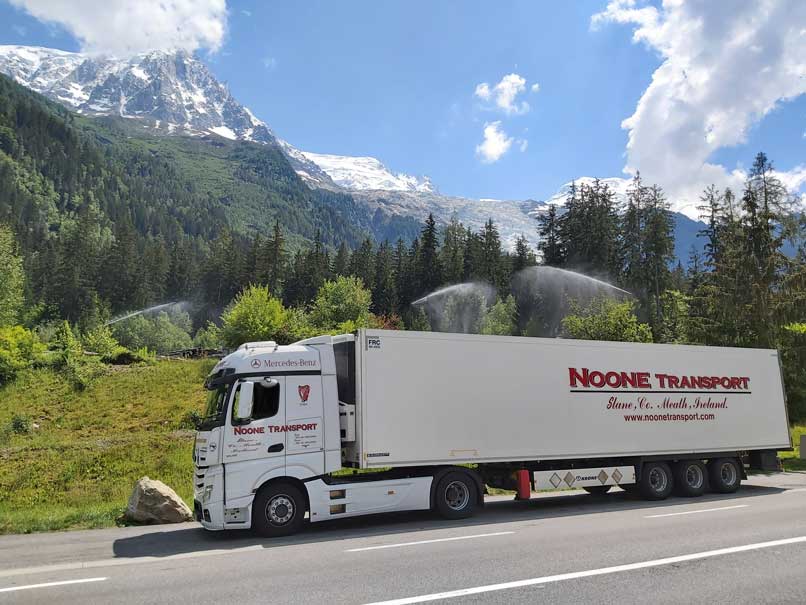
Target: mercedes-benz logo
[[255, 363]]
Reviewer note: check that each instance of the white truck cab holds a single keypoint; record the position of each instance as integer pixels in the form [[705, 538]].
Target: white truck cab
[[271, 433]]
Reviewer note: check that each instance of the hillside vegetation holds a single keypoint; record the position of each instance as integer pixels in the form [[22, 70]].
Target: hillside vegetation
[[69, 458]]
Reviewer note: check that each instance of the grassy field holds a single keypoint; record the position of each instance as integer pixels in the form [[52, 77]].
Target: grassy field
[[76, 465], [83, 451]]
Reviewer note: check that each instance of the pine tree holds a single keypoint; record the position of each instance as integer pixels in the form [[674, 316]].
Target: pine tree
[[452, 255], [384, 296], [362, 263], [550, 245], [492, 269], [524, 257], [631, 238], [429, 269], [341, 262], [658, 252]]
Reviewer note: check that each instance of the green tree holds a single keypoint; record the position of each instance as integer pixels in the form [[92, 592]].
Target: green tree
[[254, 315], [12, 278], [19, 348], [550, 245], [384, 296], [342, 301], [606, 319], [501, 318], [452, 254], [524, 257], [429, 268]]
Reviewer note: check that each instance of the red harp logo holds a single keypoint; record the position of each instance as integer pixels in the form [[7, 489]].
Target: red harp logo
[[304, 391]]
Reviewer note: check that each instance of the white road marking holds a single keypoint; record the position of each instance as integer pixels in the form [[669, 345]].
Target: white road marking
[[591, 572], [6, 573], [49, 584], [797, 489], [498, 533], [694, 512]]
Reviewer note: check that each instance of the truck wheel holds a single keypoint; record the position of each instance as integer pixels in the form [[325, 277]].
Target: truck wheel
[[456, 496], [597, 490], [278, 510], [656, 481], [725, 475], [689, 478]]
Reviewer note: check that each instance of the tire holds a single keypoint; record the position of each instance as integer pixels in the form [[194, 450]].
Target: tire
[[725, 475], [278, 510], [656, 481], [597, 490], [456, 495], [690, 478]]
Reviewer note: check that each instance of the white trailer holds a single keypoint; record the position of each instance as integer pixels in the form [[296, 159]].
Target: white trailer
[[439, 416]]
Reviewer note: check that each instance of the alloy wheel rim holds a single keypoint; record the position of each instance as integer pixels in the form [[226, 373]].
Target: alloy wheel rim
[[457, 495], [280, 510]]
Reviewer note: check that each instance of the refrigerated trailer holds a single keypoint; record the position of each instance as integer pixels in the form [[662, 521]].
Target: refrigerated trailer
[[381, 420]]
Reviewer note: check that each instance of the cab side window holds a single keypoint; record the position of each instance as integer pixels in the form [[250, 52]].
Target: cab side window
[[266, 401]]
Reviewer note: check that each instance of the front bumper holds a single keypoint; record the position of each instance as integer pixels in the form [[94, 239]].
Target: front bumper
[[208, 497]]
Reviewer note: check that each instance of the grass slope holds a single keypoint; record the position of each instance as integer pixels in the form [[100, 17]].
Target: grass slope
[[78, 467]]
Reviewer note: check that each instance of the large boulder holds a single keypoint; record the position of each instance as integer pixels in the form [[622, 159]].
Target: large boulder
[[154, 502]]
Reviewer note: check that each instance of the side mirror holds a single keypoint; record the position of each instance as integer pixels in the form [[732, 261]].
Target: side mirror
[[243, 410]]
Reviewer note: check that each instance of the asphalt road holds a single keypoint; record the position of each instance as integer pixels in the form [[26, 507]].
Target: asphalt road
[[749, 547]]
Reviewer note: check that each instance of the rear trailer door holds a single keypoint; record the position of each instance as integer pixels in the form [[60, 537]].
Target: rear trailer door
[[431, 398]]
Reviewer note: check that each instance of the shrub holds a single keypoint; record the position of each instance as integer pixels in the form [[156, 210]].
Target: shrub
[[20, 425], [19, 348], [167, 331], [500, 318], [208, 337], [606, 319], [340, 301], [101, 340], [254, 315]]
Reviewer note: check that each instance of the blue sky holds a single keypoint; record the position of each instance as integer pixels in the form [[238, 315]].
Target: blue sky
[[396, 80]]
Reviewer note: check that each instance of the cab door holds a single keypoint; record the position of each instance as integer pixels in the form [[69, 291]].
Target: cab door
[[257, 444], [304, 425]]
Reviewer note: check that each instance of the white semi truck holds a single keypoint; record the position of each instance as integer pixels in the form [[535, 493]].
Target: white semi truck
[[439, 416]]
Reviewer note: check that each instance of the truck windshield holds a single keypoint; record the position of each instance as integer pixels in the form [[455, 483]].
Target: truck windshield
[[216, 408]]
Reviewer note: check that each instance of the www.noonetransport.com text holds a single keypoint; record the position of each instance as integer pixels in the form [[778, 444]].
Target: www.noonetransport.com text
[[668, 417]]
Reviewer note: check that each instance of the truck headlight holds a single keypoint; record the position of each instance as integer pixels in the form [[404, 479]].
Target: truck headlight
[[208, 491]]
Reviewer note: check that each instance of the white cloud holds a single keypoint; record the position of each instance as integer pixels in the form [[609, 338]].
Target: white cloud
[[123, 27], [246, 13], [505, 94], [269, 63], [725, 65], [20, 30], [535, 87], [523, 145], [495, 144]]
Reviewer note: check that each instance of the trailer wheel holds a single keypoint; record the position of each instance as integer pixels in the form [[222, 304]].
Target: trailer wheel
[[456, 496], [725, 475], [656, 481], [278, 510], [597, 490], [689, 478]]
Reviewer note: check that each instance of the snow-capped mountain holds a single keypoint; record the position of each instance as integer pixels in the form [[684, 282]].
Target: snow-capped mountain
[[617, 185], [168, 90], [366, 173], [174, 93]]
